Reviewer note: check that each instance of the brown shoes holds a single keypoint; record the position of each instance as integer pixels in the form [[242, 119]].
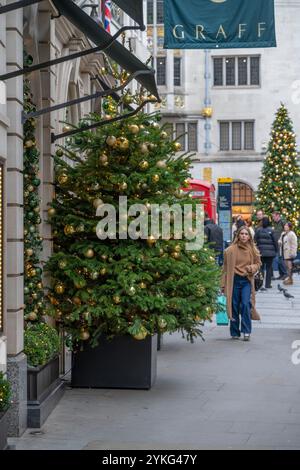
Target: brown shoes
[[288, 281]]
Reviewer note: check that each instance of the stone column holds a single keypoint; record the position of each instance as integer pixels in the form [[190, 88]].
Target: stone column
[[17, 364]]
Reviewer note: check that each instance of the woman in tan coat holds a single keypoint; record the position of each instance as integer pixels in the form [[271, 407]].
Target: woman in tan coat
[[241, 262]]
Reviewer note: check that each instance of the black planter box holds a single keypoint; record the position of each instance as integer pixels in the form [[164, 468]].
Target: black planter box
[[3, 430], [122, 362], [44, 390], [159, 341]]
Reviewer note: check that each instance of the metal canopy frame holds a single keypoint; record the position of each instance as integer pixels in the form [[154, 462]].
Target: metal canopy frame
[[133, 8], [99, 124], [98, 94], [60, 60], [17, 5]]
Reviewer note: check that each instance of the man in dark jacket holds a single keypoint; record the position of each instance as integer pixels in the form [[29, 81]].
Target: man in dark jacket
[[268, 247], [214, 236], [278, 225]]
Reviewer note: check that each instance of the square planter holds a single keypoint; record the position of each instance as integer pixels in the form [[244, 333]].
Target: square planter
[[3, 430], [44, 390], [122, 362]]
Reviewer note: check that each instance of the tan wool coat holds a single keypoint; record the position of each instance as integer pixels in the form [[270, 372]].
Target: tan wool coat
[[230, 256]]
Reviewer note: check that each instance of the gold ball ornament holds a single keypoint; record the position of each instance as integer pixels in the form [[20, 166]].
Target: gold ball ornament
[[67, 128], [141, 334], [29, 252], [76, 301], [32, 316], [84, 335], [111, 141], [32, 272], [69, 230], [152, 146], [155, 125], [104, 257], [132, 291], [63, 178], [143, 285], [155, 178], [177, 248], [194, 258], [89, 253], [123, 143], [29, 143], [51, 212], [123, 186], [103, 271], [144, 148], [134, 129], [175, 255], [161, 164], [144, 165], [86, 316], [162, 324], [62, 264], [116, 299], [151, 240], [164, 135], [103, 159], [97, 203], [59, 288], [59, 152], [39, 285], [177, 146]]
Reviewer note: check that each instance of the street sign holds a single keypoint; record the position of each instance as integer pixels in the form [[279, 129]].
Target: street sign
[[225, 206]]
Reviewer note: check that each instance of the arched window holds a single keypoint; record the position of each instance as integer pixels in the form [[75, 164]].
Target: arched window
[[243, 194]]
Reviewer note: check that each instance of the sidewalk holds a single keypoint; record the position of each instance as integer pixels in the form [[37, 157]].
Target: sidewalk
[[216, 394]]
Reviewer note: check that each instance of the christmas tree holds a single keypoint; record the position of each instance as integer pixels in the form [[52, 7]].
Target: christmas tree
[[33, 288], [124, 286], [279, 187]]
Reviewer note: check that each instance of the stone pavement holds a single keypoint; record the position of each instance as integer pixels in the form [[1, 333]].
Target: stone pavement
[[217, 394]]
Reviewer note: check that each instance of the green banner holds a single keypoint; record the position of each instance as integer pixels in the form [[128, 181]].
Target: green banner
[[219, 24]]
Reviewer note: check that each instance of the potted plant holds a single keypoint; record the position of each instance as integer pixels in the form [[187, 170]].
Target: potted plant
[[44, 388], [5, 396]]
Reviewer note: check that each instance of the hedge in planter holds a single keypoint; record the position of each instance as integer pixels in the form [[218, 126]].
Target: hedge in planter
[[5, 397], [41, 344]]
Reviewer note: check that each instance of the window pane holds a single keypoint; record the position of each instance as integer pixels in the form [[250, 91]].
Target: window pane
[[249, 136], [150, 12], [243, 64], [218, 72], [224, 135], [169, 130], [230, 71], [160, 11], [177, 71], [254, 70], [192, 136], [236, 136], [180, 129], [161, 70]]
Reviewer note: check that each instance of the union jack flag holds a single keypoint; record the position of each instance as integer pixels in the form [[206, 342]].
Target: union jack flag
[[107, 15]]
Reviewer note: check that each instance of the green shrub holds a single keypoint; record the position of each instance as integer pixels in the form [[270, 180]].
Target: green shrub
[[5, 393], [41, 343]]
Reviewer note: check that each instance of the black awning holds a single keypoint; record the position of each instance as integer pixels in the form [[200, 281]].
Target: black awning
[[99, 36], [133, 8]]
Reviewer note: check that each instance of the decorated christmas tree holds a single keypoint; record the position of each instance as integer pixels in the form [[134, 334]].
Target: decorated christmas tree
[[33, 288], [279, 187], [118, 286]]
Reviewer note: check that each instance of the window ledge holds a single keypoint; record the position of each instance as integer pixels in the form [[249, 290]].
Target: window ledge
[[236, 87]]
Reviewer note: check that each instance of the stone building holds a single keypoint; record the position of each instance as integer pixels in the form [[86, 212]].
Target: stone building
[[45, 35], [242, 88]]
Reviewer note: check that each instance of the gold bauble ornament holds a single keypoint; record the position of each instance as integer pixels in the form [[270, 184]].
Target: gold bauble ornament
[[29, 252], [194, 258], [63, 178], [30, 188], [69, 230], [144, 148], [62, 264], [177, 248], [86, 316], [162, 324], [97, 203], [59, 152], [32, 273], [76, 301], [116, 299], [111, 141], [39, 285], [103, 159], [34, 295], [131, 291], [84, 335], [177, 146], [134, 129], [29, 143], [67, 128], [123, 186], [89, 253], [32, 316], [51, 212], [141, 334], [143, 285], [155, 178], [151, 240], [103, 271], [155, 125], [152, 146], [175, 255], [161, 164], [59, 288], [144, 165], [164, 135], [104, 257], [123, 143]]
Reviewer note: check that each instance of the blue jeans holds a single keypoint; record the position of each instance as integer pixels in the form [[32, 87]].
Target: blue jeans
[[241, 305]]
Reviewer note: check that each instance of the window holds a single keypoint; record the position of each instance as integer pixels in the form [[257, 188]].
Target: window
[[236, 135], [192, 136], [218, 72], [159, 11], [150, 12], [180, 131], [177, 71], [236, 71], [184, 132], [161, 70], [242, 194]]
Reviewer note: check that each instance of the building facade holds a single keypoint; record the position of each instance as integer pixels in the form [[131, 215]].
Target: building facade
[[225, 100], [45, 35]]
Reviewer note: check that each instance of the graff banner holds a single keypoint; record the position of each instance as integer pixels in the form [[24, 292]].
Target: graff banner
[[219, 24]]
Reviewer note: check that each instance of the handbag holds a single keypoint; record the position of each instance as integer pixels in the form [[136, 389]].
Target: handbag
[[221, 316], [258, 280]]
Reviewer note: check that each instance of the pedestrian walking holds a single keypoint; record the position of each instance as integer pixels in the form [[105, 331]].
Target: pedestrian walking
[[278, 225], [268, 248], [241, 263], [250, 227], [239, 223], [259, 216], [288, 245], [214, 237]]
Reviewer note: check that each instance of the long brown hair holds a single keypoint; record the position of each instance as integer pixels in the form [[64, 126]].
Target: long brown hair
[[250, 242]]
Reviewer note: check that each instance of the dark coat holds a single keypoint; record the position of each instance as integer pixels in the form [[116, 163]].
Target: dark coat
[[266, 242], [213, 235]]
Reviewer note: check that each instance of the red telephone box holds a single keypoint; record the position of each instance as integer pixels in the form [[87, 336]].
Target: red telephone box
[[206, 193]]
